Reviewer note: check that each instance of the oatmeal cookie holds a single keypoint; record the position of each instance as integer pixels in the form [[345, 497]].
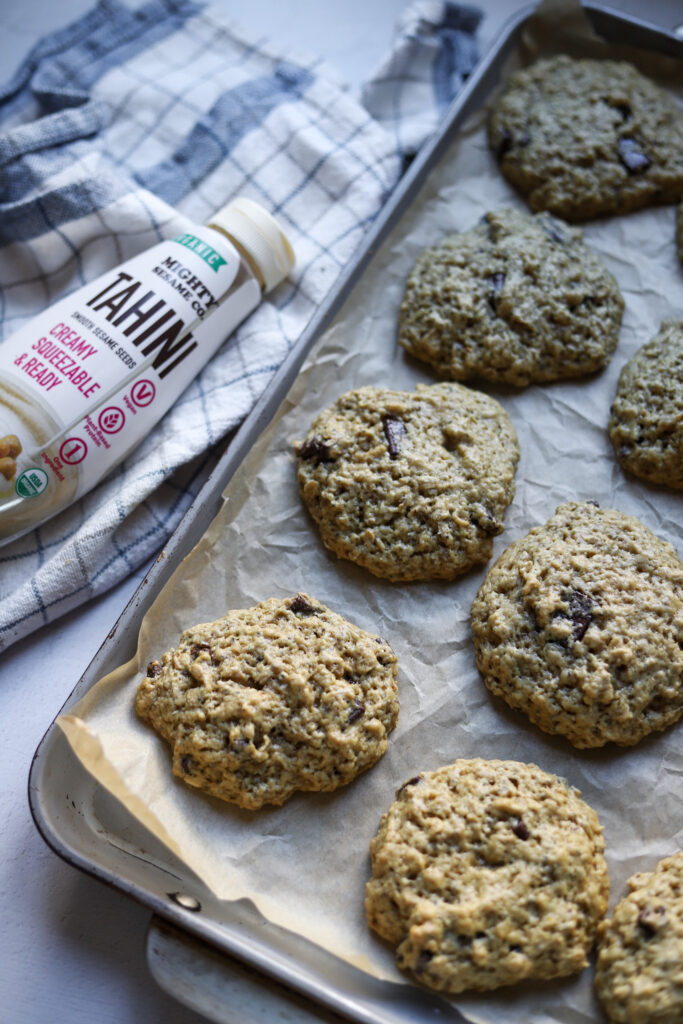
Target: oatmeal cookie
[[516, 299], [411, 485], [583, 138], [267, 700], [485, 873], [580, 625], [639, 971], [646, 422]]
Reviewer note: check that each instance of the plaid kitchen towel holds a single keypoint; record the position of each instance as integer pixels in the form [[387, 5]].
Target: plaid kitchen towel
[[113, 132]]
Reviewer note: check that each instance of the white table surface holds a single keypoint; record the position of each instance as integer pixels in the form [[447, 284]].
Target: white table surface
[[72, 949]]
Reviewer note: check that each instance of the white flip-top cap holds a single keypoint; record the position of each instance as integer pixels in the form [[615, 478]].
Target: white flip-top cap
[[260, 235]]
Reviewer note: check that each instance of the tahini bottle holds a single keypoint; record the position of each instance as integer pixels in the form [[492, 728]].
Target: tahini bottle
[[85, 381]]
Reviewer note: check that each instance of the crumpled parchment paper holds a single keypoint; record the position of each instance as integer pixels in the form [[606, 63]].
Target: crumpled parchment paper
[[305, 865]]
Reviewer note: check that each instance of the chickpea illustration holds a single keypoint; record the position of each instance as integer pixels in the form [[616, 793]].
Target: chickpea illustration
[[10, 447]]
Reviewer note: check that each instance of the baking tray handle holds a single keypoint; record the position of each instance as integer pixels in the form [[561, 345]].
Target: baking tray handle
[[221, 988]]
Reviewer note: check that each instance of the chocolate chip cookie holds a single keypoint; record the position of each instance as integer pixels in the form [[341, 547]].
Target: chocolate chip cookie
[[639, 971], [517, 299], [485, 873], [588, 137], [646, 423], [410, 485], [580, 625], [268, 700]]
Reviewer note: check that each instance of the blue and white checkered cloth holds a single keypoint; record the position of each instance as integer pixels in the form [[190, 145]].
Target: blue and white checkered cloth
[[115, 129]]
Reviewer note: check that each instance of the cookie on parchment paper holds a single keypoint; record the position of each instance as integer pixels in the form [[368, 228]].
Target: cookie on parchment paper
[[639, 970], [410, 485], [580, 625], [583, 138], [485, 873], [517, 299], [646, 421], [283, 696]]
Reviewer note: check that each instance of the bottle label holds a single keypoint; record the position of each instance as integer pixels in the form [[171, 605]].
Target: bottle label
[[85, 380]]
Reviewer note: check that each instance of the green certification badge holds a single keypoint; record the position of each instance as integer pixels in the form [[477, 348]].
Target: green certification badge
[[31, 482]]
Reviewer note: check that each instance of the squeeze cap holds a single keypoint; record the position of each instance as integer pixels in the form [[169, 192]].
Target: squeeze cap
[[260, 235]]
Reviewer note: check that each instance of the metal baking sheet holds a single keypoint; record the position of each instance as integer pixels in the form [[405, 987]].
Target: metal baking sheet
[[88, 828]]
